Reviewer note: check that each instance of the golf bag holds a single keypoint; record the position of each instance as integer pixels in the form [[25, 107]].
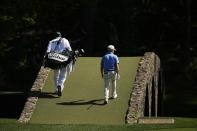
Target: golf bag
[[55, 60]]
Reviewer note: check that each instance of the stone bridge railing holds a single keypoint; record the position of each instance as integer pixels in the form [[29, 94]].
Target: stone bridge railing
[[30, 104], [145, 89]]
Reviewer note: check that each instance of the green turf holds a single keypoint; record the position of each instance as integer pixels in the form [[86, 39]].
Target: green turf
[[82, 100], [181, 124]]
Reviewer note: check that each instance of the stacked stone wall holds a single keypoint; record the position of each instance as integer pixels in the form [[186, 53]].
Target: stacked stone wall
[[30, 104], [147, 72]]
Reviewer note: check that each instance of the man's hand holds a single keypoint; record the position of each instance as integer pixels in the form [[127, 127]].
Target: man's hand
[[102, 71], [117, 76], [102, 75]]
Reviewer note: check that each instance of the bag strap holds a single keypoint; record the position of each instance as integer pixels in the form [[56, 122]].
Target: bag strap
[[58, 42]]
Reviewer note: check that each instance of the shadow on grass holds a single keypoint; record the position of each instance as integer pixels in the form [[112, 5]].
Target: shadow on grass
[[14, 93], [12, 104], [48, 95], [180, 98], [181, 104], [98, 102]]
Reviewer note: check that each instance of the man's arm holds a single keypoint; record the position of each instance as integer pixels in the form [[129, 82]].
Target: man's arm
[[117, 65], [102, 70], [67, 44], [117, 68], [48, 48]]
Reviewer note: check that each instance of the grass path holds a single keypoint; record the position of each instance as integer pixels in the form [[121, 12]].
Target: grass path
[[82, 100], [181, 124]]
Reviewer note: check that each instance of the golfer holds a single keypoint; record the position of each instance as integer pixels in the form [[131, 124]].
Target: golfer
[[110, 72], [58, 45]]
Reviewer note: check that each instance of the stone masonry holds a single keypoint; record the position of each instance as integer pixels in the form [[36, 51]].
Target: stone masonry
[[147, 71], [30, 104]]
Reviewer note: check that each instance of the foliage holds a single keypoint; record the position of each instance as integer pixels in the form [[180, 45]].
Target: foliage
[[133, 26]]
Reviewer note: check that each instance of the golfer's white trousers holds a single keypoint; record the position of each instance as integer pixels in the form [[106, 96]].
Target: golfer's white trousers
[[60, 75], [110, 77]]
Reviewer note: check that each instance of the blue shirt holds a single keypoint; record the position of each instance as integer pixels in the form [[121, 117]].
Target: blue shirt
[[109, 61]]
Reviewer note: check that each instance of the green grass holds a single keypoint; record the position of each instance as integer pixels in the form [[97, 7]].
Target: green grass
[[48, 104], [181, 124], [82, 100]]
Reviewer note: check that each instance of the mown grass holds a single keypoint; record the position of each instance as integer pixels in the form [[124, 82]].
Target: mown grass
[[82, 99], [181, 124]]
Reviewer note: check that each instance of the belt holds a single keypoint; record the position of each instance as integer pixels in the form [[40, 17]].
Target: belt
[[108, 71]]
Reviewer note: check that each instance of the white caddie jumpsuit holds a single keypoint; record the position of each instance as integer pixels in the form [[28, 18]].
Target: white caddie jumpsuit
[[60, 75]]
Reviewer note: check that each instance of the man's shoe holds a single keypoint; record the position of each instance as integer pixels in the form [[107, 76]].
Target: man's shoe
[[106, 102], [114, 97], [59, 92]]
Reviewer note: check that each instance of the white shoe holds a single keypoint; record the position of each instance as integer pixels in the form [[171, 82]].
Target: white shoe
[[114, 97]]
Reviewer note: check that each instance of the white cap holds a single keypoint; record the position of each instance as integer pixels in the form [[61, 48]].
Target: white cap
[[111, 47]]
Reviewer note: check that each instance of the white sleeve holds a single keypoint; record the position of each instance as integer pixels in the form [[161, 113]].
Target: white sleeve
[[49, 47], [67, 44]]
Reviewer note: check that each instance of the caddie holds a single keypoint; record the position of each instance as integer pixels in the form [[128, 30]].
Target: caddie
[[110, 72], [58, 45]]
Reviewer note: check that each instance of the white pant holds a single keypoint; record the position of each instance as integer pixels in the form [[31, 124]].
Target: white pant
[[110, 77], [70, 67], [60, 75]]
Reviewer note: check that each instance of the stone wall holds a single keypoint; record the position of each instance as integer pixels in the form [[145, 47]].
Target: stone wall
[[30, 104], [147, 75]]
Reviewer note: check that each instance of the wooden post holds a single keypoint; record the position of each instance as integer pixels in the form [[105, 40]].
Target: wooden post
[[149, 98], [156, 94]]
